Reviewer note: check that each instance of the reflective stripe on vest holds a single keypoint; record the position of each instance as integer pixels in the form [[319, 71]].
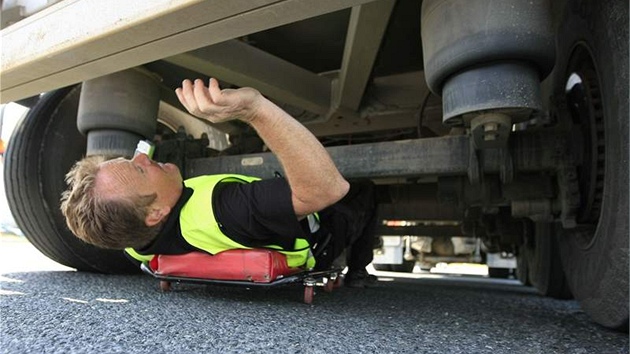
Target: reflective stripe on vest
[[137, 256], [200, 228]]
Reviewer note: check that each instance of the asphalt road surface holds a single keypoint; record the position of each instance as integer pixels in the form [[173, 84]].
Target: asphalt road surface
[[47, 308]]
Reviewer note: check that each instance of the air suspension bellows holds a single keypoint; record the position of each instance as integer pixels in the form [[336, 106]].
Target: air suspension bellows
[[117, 110], [487, 55]]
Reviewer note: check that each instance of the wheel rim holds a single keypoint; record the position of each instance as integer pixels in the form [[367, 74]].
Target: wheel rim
[[584, 107]]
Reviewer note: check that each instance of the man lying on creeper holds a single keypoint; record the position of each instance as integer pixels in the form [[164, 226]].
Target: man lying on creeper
[[146, 208]]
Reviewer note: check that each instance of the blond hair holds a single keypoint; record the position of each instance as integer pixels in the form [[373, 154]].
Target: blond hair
[[113, 222]]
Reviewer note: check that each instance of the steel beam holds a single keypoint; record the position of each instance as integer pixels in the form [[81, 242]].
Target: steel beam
[[445, 156], [365, 33], [78, 40], [243, 65], [393, 104]]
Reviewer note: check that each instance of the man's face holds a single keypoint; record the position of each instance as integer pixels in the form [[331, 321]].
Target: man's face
[[140, 176]]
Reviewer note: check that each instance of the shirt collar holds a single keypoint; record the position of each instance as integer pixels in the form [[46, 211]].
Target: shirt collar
[[170, 228]]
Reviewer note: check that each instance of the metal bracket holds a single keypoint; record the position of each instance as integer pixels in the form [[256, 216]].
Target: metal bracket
[[474, 164], [490, 131], [506, 171]]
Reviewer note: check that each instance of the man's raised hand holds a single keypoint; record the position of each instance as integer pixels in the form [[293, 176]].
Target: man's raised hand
[[216, 105]]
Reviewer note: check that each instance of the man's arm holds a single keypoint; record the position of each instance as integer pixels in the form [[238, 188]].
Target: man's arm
[[314, 179]]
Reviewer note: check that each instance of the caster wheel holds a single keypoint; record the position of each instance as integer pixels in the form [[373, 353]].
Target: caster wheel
[[165, 285], [338, 283], [330, 285], [309, 292]]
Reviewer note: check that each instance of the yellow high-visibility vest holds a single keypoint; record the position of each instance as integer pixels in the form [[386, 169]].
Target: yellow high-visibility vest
[[200, 228]]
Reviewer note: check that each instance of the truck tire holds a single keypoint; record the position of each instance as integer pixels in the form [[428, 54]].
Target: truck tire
[[43, 147], [522, 269], [543, 261], [499, 273], [405, 267], [593, 47], [382, 267]]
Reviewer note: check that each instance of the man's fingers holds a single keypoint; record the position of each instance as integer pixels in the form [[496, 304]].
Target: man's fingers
[[214, 90], [188, 98], [202, 97], [204, 102], [180, 97]]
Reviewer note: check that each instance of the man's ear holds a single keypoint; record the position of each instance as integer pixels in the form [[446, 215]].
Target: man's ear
[[156, 215]]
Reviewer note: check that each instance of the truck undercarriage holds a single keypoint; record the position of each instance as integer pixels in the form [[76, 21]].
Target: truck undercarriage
[[506, 122]]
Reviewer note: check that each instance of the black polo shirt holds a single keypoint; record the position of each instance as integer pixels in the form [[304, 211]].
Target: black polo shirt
[[252, 214]]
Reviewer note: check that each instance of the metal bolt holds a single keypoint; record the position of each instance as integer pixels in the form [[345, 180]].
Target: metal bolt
[[490, 131]]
